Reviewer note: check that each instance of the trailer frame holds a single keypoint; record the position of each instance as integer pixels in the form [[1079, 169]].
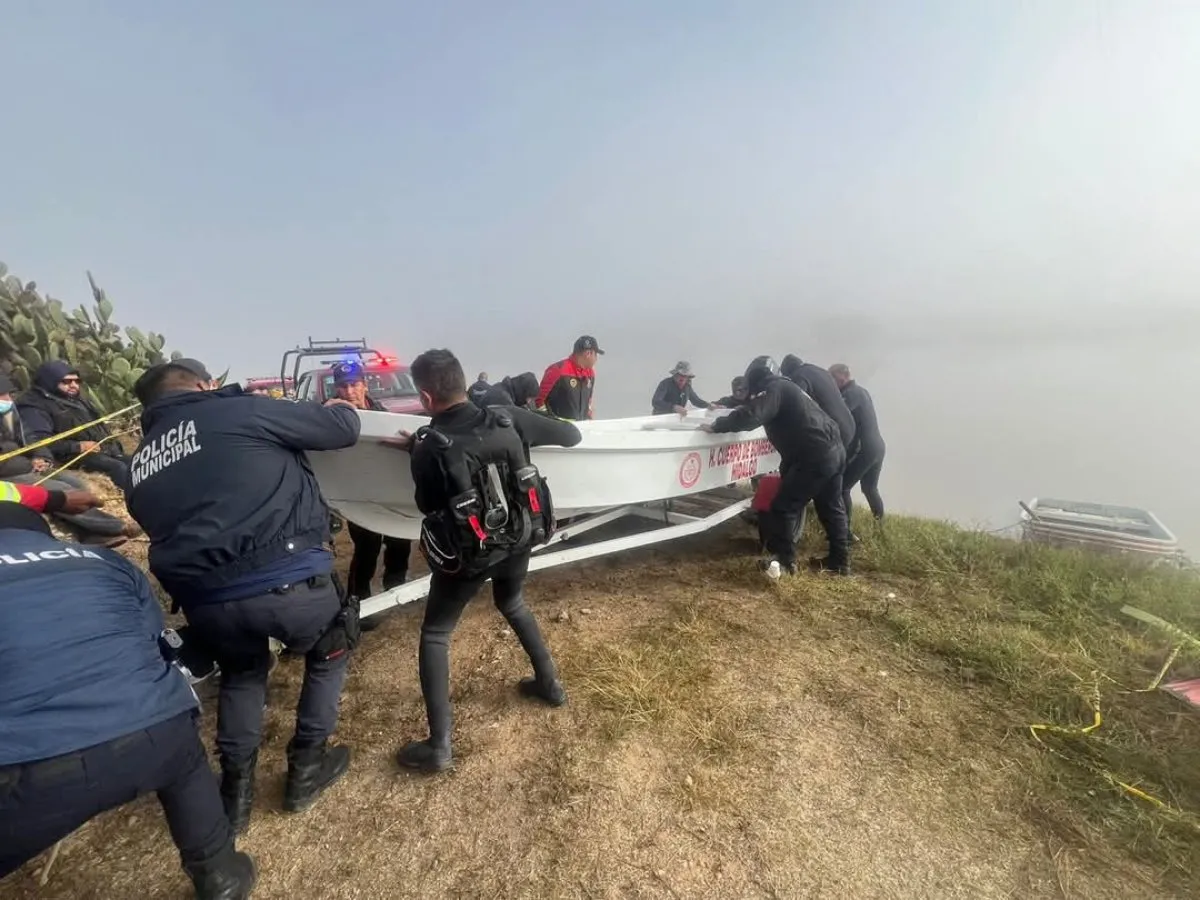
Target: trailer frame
[[673, 525]]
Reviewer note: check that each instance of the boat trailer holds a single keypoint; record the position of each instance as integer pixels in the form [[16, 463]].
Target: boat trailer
[[672, 525]]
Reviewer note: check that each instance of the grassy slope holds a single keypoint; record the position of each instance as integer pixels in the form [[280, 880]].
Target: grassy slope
[[730, 738], [1041, 630]]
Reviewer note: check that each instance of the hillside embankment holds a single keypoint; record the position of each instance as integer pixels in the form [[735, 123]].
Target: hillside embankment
[[728, 737]]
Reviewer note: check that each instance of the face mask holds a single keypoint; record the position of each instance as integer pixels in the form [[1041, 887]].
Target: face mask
[[5, 407]]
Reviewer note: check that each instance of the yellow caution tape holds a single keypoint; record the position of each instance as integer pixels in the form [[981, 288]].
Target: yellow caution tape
[[1097, 720], [95, 449], [45, 442]]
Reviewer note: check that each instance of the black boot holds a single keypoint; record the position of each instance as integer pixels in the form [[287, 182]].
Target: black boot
[[549, 692], [425, 756], [228, 876], [237, 793], [310, 771]]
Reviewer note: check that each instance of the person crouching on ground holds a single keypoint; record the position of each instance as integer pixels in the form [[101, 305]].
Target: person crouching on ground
[[675, 392], [456, 461], [93, 713], [811, 461], [239, 538], [350, 384], [56, 403], [89, 526]]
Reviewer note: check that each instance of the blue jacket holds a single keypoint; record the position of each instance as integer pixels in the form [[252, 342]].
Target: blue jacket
[[79, 657], [222, 488]]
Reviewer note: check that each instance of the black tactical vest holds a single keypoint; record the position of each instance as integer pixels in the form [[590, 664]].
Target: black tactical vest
[[499, 503]]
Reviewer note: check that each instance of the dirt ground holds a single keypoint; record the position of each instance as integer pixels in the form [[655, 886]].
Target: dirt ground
[[725, 738]]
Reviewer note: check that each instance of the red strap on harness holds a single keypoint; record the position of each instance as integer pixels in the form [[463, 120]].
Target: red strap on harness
[[534, 504], [477, 528]]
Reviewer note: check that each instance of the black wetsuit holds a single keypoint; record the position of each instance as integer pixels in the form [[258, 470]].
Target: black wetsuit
[[448, 595], [512, 390], [866, 459], [812, 459], [819, 385]]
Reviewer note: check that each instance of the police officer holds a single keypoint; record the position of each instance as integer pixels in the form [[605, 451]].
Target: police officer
[[866, 458], [819, 384], [238, 537], [350, 385], [812, 459], [92, 712], [493, 437]]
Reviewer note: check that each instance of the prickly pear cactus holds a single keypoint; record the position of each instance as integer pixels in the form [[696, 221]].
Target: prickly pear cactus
[[34, 329]]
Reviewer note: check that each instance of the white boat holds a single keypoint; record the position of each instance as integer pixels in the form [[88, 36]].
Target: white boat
[[619, 462], [1097, 526], [619, 468]]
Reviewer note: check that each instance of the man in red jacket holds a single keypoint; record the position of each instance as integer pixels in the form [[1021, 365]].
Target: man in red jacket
[[566, 390]]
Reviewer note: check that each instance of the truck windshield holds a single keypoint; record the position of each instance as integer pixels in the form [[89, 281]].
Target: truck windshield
[[381, 383]]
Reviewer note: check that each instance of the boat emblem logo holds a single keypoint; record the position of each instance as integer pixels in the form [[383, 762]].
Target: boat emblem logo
[[689, 471]]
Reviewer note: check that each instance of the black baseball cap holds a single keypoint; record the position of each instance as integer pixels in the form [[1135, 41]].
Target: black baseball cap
[[586, 343], [146, 387], [192, 365]]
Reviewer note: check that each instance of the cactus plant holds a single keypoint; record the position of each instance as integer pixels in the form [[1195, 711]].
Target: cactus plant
[[34, 329]]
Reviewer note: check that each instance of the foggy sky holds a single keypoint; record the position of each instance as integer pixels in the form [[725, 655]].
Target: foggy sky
[[987, 209]]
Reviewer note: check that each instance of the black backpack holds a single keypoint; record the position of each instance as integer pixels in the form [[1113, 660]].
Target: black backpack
[[500, 504]]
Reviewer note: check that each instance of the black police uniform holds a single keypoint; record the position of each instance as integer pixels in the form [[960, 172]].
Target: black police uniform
[[238, 537], [819, 384], [866, 457], [92, 712], [449, 595], [812, 459]]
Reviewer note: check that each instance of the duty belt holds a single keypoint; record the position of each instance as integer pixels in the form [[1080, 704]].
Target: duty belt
[[315, 582]]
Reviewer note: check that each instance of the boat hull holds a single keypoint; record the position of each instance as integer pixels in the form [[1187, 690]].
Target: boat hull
[[1098, 526], [619, 462]]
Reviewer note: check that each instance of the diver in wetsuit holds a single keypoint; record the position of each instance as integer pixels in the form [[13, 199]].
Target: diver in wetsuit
[[819, 385], [512, 390], [812, 459], [466, 445], [866, 457]]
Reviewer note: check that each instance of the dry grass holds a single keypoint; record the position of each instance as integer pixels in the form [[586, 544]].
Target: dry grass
[[731, 738]]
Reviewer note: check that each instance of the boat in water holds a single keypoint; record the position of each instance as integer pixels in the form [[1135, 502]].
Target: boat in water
[[1098, 526], [619, 463]]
